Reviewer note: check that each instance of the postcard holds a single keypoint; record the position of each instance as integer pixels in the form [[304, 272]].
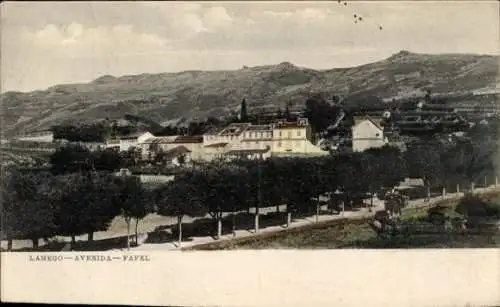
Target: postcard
[[327, 153]]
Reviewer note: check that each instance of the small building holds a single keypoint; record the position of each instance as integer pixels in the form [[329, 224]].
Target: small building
[[294, 138], [38, 136], [178, 156], [154, 145], [215, 151], [250, 154], [231, 134], [194, 143], [132, 140], [256, 137], [367, 133]]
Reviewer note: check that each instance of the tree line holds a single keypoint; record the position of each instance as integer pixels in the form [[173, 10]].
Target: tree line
[[82, 200]]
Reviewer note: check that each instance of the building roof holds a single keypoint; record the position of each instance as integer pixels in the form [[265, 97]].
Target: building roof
[[176, 151], [257, 140], [133, 135], [259, 128], [234, 129], [300, 123], [160, 140], [188, 139], [215, 145], [214, 130], [374, 120], [248, 151]]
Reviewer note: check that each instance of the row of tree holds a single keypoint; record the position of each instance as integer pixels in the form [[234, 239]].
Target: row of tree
[[40, 205], [82, 200]]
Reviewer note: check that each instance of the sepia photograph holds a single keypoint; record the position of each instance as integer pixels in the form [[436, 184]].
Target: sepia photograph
[[242, 126]]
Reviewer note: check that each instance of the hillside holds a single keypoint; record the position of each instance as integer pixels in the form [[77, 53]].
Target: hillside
[[167, 97]]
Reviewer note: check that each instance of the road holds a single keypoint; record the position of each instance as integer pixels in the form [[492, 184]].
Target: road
[[152, 222]]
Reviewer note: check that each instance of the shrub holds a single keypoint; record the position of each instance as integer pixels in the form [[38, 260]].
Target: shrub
[[474, 207]]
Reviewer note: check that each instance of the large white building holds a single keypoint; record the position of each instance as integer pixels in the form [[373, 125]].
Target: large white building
[[133, 140], [282, 138], [40, 136], [367, 133], [294, 138]]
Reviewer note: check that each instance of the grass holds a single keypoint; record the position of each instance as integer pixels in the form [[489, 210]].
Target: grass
[[359, 234]]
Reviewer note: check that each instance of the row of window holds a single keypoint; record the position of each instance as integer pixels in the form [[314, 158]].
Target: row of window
[[255, 135], [260, 135], [289, 134], [296, 143]]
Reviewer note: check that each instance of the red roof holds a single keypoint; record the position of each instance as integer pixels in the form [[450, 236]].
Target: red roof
[[188, 139]]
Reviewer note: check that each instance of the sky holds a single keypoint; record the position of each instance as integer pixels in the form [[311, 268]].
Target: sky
[[48, 43]]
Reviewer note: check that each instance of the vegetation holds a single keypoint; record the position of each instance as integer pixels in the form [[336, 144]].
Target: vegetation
[[81, 196], [180, 95]]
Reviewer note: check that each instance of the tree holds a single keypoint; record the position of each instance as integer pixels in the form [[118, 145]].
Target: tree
[[320, 114], [424, 161], [287, 113], [179, 198], [474, 209], [27, 210], [71, 158], [77, 158], [86, 203], [243, 111], [133, 200]]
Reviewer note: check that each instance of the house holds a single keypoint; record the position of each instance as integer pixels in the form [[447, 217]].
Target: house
[[251, 141], [38, 136], [215, 151], [250, 154], [153, 145], [92, 146], [294, 138], [217, 142], [231, 134], [367, 133], [194, 143], [256, 137], [178, 156], [132, 140]]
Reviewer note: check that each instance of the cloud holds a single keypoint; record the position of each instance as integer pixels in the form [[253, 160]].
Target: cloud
[[79, 41], [217, 17], [76, 41]]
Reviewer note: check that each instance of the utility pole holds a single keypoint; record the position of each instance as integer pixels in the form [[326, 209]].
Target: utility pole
[[259, 193]]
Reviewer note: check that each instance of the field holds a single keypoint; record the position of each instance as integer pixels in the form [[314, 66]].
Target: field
[[359, 234]]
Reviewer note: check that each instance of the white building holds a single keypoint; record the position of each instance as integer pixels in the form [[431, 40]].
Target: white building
[[251, 141], [40, 136], [133, 140], [194, 144], [294, 138], [367, 133]]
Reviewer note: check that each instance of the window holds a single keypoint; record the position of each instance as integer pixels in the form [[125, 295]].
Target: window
[[280, 134], [377, 134]]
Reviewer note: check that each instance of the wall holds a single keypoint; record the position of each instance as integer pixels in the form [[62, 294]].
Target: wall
[[45, 138], [155, 178], [367, 135]]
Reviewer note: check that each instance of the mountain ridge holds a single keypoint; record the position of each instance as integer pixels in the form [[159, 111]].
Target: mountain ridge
[[164, 97]]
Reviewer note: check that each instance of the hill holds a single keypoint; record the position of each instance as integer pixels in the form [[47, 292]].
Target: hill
[[170, 97]]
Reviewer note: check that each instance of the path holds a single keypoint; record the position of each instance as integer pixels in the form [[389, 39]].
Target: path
[[152, 222]]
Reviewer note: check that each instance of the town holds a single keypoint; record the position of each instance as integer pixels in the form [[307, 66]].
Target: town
[[257, 169]]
